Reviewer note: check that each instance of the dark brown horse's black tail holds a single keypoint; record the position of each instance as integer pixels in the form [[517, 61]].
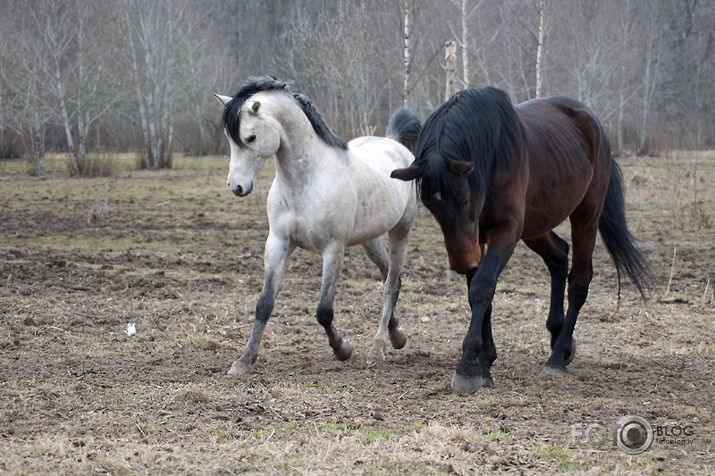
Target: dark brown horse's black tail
[[618, 240]]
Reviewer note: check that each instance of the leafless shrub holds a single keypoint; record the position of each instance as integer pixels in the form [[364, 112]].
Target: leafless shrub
[[92, 166], [98, 212]]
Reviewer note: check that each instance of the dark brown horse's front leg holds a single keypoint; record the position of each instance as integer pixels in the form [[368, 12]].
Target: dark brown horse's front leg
[[478, 350], [488, 354]]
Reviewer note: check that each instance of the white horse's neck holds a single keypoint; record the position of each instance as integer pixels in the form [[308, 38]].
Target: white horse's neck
[[302, 152]]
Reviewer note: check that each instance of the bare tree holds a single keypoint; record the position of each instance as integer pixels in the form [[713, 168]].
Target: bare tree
[[626, 25], [654, 50], [450, 59], [59, 48], [16, 92], [340, 68], [540, 49], [159, 36], [466, 9], [73, 72], [407, 50]]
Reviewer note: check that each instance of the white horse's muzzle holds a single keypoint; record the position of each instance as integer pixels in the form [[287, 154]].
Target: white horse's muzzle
[[241, 190]]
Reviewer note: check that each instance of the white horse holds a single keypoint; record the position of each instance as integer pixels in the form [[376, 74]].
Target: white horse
[[326, 195]]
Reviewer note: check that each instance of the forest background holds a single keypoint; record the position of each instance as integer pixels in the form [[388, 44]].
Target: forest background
[[95, 78]]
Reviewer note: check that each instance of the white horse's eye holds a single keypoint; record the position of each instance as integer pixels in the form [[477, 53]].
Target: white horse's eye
[[251, 138]]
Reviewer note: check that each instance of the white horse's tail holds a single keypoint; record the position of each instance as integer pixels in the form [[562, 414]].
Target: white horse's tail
[[404, 127]]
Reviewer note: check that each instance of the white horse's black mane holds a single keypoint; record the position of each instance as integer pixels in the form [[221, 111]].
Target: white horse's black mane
[[232, 117]]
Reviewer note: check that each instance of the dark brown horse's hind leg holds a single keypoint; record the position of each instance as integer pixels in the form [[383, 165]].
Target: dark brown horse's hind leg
[[489, 351], [584, 239], [555, 253]]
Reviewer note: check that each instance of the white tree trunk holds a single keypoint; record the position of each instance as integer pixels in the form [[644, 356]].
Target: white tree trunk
[[407, 53], [465, 45], [450, 57], [540, 50], [650, 80]]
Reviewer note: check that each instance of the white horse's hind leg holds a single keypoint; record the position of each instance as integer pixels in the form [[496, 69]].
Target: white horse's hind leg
[[389, 323], [277, 252], [376, 250], [332, 265]]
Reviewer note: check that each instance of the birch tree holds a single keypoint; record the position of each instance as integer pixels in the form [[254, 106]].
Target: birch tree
[[60, 51], [467, 9], [407, 51], [540, 49], [654, 48], [158, 33], [335, 63]]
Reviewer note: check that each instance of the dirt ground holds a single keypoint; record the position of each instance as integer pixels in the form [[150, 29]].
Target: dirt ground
[[178, 255]]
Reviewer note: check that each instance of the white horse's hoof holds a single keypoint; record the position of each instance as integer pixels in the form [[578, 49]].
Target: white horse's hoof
[[465, 385], [377, 354], [238, 368], [343, 352], [398, 339]]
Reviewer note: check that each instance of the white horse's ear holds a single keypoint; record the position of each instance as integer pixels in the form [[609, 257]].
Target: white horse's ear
[[224, 99], [255, 107]]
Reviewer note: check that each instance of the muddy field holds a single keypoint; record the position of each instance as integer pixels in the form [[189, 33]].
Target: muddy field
[[178, 255]]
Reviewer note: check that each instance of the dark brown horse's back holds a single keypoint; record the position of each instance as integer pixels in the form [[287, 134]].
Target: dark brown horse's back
[[569, 161]]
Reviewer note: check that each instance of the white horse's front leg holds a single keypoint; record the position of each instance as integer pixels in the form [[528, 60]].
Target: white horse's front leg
[[277, 252], [332, 265]]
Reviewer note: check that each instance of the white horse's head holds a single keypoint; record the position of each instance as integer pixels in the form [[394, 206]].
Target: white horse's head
[[254, 137]]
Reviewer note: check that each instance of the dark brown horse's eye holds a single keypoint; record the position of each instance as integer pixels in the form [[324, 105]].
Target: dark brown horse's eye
[[251, 138]]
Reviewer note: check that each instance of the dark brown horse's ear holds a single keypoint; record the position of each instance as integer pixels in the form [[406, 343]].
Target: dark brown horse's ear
[[459, 167], [408, 173], [255, 107]]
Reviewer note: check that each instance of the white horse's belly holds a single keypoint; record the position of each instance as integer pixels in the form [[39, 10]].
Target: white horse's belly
[[382, 200], [378, 212]]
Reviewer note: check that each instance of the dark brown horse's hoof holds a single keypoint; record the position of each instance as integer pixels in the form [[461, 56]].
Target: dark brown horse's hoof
[[343, 352], [553, 370], [467, 385]]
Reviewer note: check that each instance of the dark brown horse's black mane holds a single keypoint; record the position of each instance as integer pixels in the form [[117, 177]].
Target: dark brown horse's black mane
[[489, 139], [232, 116]]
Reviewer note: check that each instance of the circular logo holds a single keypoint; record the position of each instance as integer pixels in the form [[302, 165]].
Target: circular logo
[[634, 435]]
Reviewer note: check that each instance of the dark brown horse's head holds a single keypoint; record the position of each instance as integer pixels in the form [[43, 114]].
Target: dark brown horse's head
[[446, 191], [458, 154]]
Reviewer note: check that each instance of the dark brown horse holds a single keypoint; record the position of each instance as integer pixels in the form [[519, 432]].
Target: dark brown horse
[[491, 174]]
